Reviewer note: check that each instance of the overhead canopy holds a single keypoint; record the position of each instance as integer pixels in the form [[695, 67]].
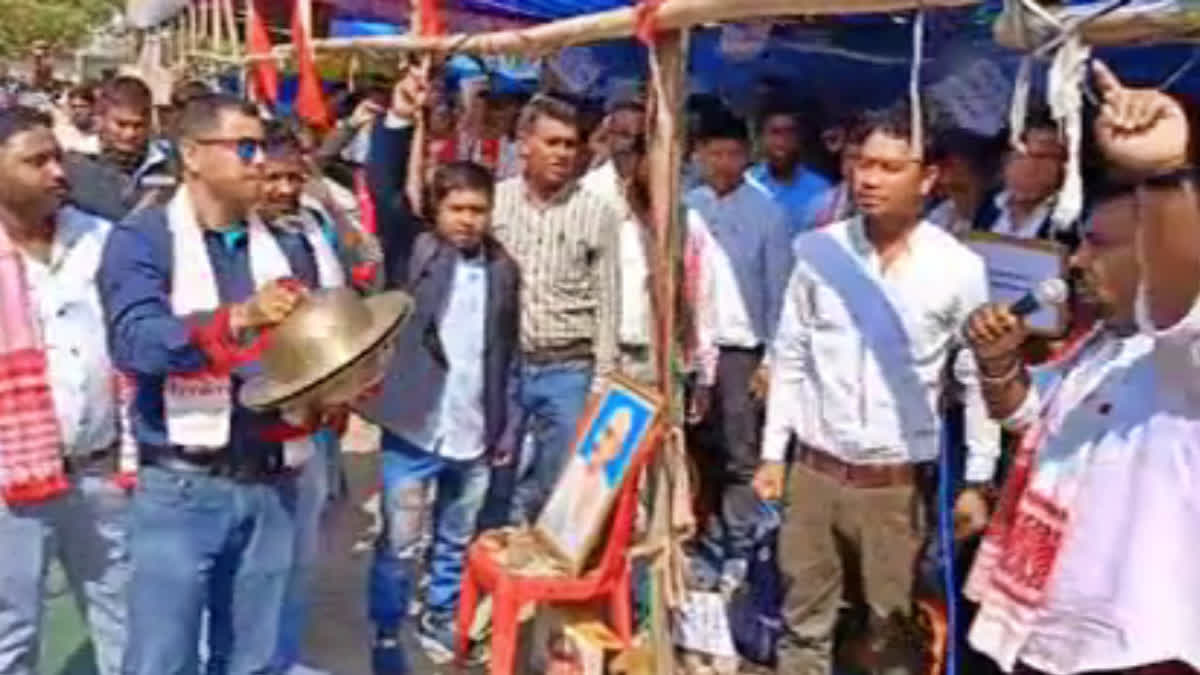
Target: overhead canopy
[[622, 23], [1105, 24], [613, 15]]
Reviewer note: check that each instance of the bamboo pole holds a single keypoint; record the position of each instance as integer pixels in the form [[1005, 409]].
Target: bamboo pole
[[202, 15], [247, 22], [667, 77], [193, 27], [231, 26], [615, 24], [218, 26]]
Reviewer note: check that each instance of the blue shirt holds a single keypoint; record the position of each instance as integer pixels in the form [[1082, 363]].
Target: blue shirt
[[148, 341], [799, 198]]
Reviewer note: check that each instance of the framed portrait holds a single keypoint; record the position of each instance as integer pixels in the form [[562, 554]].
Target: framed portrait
[[1016, 266], [617, 427]]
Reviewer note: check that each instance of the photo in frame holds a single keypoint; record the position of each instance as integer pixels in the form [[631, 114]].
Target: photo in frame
[[621, 423]]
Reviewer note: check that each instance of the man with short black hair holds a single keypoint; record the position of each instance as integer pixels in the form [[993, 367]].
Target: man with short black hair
[[868, 334], [623, 129], [60, 407], [75, 128], [185, 288], [449, 404], [1089, 564], [782, 173], [131, 171], [749, 261], [564, 240]]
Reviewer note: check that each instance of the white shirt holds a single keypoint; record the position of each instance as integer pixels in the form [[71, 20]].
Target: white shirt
[[67, 303], [636, 305], [604, 182], [634, 327], [71, 139], [1122, 592], [861, 353], [749, 232], [1025, 229], [459, 433]]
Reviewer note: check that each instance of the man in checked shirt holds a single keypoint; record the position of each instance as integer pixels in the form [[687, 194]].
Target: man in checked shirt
[[565, 240]]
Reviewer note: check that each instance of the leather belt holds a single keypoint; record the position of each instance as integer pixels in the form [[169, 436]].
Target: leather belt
[[576, 351], [96, 461], [857, 475], [217, 465]]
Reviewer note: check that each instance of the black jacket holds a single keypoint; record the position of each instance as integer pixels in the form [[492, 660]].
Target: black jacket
[[101, 188], [423, 264]]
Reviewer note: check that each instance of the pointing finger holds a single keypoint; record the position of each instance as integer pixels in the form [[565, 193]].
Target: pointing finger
[[1106, 81]]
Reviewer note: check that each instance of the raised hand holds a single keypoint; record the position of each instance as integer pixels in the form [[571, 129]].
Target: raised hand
[[411, 93], [1140, 131]]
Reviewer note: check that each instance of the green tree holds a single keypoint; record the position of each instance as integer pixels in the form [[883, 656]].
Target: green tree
[[62, 24]]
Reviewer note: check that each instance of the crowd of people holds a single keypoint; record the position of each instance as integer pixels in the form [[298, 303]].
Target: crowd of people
[[840, 338]]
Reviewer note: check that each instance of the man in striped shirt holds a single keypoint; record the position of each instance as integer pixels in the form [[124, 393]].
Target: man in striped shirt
[[565, 241]]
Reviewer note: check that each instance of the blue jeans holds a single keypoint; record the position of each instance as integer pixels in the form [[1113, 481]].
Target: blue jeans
[[312, 491], [86, 530], [461, 488], [198, 542], [552, 398]]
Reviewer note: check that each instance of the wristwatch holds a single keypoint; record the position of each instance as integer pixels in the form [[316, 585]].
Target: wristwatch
[[1171, 178], [987, 488]]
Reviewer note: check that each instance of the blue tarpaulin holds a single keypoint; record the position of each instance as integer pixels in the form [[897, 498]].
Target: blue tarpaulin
[[857, 60]]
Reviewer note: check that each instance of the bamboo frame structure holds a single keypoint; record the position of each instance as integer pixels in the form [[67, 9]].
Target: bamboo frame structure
[[611, 25], [672, 20]]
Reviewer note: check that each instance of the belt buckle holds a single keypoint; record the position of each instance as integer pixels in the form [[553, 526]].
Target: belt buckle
[[846, 473]]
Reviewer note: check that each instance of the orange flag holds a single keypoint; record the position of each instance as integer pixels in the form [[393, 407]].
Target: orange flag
[[310, 99]]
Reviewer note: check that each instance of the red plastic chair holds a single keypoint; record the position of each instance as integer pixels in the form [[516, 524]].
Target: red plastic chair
[[510, 591]]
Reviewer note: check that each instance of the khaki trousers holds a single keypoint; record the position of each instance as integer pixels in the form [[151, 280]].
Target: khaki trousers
[[882, 529]]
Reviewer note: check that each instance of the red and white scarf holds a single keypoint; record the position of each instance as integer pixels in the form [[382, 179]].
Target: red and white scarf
[[199, 405], [31, 443], [1020, 550]]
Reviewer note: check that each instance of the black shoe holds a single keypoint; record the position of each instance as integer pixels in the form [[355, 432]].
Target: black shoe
[[387, 654]]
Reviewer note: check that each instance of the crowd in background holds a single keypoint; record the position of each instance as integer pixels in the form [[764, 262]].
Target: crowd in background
[[828, 291]]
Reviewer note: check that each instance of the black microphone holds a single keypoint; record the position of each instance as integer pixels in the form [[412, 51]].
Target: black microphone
[[1048, 292]]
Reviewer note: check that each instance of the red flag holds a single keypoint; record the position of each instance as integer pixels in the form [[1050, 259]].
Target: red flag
[[432, 22], [264, 77], [310, 99], [645, 21]]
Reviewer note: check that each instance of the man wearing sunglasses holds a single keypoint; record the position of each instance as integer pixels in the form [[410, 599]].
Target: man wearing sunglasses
[[186, 288], [131, 170]]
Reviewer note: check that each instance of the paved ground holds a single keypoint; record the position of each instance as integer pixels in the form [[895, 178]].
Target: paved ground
[[339, 634]]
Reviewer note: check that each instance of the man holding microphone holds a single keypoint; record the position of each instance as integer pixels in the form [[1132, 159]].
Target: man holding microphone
[[1089, 563]]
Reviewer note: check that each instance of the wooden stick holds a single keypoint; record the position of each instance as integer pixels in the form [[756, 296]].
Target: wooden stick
[[667, 77], [217, 57], [615, 24], [202, 15], [218, 26], [664, 108], [231, 25], [193, 27]]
